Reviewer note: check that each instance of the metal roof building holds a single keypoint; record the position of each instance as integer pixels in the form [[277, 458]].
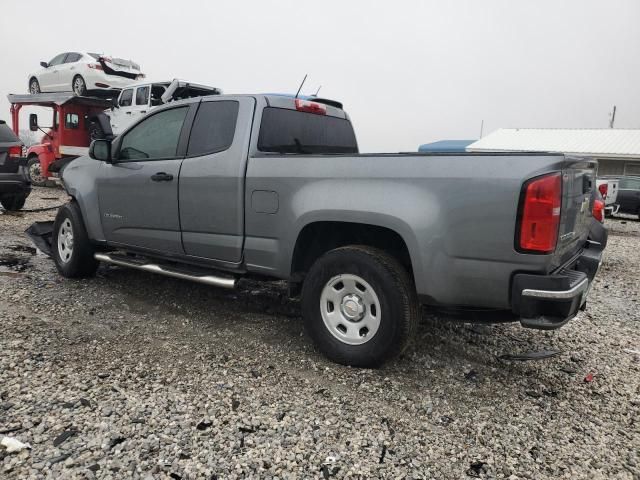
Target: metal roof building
[[617, 150]]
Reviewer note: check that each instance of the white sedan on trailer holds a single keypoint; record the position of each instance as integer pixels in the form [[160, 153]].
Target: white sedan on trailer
[[82, 72]]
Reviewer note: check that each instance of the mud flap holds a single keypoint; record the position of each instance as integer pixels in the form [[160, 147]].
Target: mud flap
[[41, 234]]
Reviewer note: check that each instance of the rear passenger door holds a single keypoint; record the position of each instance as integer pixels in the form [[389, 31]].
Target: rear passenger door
[[211, 192]]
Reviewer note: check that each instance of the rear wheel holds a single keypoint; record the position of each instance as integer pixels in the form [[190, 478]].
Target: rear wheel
[[359, 306], [34, 86], [13, 202], [71, 248], [79, 86], [34, 169]]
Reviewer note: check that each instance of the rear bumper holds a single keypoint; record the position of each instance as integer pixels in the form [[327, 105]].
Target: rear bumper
[[17, 182], [549, 301]]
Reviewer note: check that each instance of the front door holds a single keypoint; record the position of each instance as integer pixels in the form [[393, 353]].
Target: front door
[[138, 192], [49, 78], [140, 105]]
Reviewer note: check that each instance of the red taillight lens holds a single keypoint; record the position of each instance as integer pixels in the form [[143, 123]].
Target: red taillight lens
[[604, 189], [598, 210], [310, 107], [15, 151], [540, 214], [95, 66]]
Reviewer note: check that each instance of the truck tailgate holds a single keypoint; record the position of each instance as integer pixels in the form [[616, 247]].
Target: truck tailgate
[[578, 180]]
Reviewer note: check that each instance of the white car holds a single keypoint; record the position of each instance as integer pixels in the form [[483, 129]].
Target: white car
[[135, 100], [82, 73]]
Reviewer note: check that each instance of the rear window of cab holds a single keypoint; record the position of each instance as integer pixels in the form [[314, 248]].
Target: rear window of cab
[[291, 131]]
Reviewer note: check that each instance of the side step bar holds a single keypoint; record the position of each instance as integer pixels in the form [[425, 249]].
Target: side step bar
[[224, 282]]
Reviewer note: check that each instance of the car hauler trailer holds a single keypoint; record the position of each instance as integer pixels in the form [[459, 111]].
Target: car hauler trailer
[[74, 122]]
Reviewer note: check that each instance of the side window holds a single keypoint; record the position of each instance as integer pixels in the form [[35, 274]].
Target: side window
[[72, 57], [155, 137], [142, 96], [156, 92], [57, 60], [213, 128], [71, 121], [126, 97]]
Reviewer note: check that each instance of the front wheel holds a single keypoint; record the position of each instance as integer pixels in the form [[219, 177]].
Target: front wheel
[[359, 306], [71, 248], [34, 170], [79, 86], [13, 202]]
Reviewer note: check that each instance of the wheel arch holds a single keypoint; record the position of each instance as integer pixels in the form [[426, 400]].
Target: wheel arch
[[318, 237]]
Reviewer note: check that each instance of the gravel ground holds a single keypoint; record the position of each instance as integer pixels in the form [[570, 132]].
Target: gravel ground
[[130, 375]]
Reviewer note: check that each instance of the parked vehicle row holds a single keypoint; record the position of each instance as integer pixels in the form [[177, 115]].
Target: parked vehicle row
[[14, 182], [214, 188]]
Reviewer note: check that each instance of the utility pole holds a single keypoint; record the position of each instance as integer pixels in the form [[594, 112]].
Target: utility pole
[[612, 117]]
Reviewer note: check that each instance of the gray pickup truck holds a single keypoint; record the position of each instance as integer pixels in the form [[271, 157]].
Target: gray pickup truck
[[216, 188]]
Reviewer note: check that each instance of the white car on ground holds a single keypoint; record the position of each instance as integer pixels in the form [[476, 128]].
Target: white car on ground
[[82, 72], [135, 100]]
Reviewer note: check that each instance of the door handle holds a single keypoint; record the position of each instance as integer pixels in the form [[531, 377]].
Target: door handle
[[162, 177], [128, 113]]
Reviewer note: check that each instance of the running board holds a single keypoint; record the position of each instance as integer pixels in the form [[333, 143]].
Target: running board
[[224, 282]]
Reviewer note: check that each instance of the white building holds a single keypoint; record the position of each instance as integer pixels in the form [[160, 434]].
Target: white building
[[617, 150]]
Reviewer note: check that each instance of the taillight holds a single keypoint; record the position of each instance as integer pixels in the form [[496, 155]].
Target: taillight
[[598, 210], [604, 189], [540, 214], [310, 107], [95, 66], [15, 151]]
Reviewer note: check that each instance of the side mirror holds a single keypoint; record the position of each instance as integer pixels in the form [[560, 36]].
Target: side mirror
[[33, 122], [44, 64], [100, 150], [114, 103]]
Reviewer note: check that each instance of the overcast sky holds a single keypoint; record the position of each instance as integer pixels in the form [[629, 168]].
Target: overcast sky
[[408, 72]]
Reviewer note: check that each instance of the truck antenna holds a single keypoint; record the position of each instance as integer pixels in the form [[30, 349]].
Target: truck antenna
[[300, 88], [317, 91], [612, 117]]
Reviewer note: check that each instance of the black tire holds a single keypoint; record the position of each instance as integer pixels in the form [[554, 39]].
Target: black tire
[[79, 262], [34, 86], [397, 298], [34, 170], [78, 85], [14, 201]]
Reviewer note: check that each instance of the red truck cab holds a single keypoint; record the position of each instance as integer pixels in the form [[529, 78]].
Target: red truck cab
[[74, 122]]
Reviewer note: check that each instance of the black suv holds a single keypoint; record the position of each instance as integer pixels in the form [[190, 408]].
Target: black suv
[[14, 182], [629, 195]]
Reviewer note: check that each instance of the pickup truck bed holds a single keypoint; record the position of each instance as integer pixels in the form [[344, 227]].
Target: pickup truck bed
[[273, 186]]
